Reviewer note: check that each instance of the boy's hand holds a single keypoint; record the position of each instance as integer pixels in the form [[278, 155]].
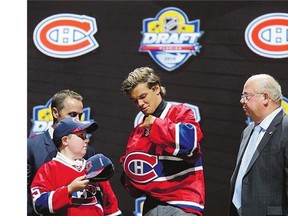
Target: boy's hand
[[77, 184]]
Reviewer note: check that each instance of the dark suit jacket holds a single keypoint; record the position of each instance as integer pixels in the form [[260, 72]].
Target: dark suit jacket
[[265, 184], [41, 149]]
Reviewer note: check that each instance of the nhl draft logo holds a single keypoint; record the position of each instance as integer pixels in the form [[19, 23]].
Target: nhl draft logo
[[66, 35], [170, 38]]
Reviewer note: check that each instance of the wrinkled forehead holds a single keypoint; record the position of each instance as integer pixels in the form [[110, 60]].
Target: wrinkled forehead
[[250, 86]]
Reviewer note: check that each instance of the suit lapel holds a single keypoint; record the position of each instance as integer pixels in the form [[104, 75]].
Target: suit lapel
[[265, 140], [246, 135], [50, 146], [244, 143]]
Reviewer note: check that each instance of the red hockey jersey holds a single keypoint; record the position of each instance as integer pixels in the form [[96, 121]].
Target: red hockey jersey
[[50, 193], [165, 162]]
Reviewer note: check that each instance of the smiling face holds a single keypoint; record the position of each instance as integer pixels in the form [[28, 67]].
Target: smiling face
[[146, 99]]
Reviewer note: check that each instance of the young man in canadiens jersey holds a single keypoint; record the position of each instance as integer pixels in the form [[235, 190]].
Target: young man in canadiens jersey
[[59, 186], [163, 157], [41, 148]]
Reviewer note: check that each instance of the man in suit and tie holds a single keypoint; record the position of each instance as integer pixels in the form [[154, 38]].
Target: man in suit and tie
[[259, 183]]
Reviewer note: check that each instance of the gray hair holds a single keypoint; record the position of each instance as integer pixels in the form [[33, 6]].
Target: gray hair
[[266, 83], [142, 75]]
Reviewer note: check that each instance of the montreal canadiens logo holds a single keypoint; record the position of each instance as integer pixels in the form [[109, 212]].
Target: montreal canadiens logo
[[66, 35], [140, 167], [267, 35], [170, 38]]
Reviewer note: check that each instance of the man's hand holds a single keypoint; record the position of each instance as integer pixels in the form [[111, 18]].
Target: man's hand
[[148, 122]]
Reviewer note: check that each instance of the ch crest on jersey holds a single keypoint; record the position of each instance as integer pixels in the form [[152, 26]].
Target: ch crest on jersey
[[170, 38], [141, 167]]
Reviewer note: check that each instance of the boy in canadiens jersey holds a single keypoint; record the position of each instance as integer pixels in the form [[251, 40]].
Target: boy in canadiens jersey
[[60, 187], [162, 160]]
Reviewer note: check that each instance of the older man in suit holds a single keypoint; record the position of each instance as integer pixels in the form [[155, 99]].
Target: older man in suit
[[259, 183]]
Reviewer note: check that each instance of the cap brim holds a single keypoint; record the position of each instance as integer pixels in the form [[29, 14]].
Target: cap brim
[[93, 126], [103, 174], [90, 127]]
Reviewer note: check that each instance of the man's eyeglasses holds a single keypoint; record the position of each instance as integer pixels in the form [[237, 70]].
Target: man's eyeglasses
[[247, 97]]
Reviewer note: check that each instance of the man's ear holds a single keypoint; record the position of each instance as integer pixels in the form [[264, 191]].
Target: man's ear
[[64, 140], [156, 88], [266, 98], [55, 112]]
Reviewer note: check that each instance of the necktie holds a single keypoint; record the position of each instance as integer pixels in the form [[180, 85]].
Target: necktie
[[252, 145]]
